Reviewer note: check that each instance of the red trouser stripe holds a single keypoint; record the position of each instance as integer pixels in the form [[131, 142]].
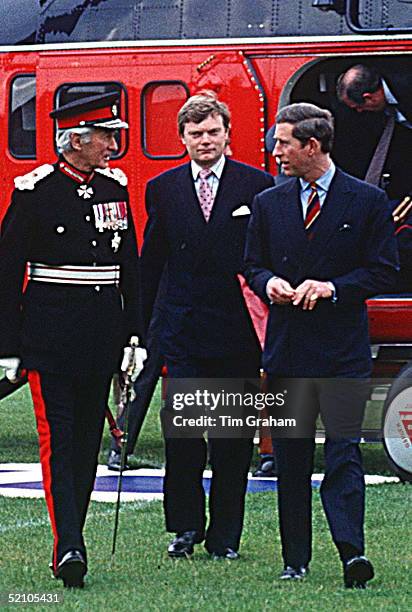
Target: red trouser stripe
[[43, 429]]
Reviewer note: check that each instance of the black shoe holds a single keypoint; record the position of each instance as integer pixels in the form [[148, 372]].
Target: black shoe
[[356, 572], [266, 468], [182, 545], [228, 553], [294, 573], [72, 569], [113, 461]]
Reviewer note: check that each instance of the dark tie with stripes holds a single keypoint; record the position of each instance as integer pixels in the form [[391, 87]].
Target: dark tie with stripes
[[313, 209]]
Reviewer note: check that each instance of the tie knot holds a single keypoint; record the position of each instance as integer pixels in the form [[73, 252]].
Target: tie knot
[[205, 173], [313, 186]]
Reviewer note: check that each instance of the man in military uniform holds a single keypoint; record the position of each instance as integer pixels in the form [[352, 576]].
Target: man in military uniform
[[69, 226]]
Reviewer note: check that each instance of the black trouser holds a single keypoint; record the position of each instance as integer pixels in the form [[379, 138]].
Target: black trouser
[[184, 496], [70, 414], [341, 404]]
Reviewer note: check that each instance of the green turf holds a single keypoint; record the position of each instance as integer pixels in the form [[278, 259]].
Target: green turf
[[143, 578]]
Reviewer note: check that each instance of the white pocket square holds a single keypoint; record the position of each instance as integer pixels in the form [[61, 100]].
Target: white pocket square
[[242, 211]]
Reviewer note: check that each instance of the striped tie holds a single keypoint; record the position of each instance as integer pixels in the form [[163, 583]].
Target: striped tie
[[313, 209]]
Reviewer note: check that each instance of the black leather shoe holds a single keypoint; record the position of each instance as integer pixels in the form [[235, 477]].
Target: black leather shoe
[[229, 553], [266, 468], [294, 573], [356, 572], [72, 569], [182, 545], [113, 462]]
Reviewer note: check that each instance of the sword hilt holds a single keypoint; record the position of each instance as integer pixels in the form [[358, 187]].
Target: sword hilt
[[129, 356]]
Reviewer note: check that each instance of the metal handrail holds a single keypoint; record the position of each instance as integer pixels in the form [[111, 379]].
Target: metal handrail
[[352, 20]]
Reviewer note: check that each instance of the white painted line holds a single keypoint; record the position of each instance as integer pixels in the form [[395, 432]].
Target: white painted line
[[16, 473]]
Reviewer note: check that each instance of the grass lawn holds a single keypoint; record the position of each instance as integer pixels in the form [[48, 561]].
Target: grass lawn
[[143, 578]]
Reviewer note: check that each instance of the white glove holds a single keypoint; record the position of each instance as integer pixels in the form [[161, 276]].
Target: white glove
[[140, 355], [11, 368], [140, 358]]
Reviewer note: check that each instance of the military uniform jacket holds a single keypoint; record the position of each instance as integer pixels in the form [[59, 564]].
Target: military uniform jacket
[[57, 217], [204, 315]]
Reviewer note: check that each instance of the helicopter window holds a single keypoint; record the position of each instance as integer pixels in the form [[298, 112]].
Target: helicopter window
[[22, 117], [160, 102]]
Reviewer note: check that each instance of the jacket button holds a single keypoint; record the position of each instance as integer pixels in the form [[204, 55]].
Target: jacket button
[[87, 218], [183, 246], [94, 243], [284, 259], [97, 288]]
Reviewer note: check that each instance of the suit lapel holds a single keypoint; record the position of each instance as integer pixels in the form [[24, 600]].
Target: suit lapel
[[221, 211], [224, 197], [338, 198], [291, 218], [187, 204]]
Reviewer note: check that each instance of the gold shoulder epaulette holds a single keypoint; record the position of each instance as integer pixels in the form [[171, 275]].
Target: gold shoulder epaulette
[[28, 181], [115, 174]]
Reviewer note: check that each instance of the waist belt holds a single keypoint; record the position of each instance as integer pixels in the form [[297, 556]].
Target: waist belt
[[74, 275]]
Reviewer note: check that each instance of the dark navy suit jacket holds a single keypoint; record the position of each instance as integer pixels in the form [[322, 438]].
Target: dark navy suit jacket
[[203, 308], [353, 246]]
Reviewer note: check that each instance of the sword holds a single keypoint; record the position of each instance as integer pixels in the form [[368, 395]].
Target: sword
[[127, 396]]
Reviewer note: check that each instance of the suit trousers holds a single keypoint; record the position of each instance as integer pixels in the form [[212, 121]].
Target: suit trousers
[[186, 458], [70, 413], [341, 404]]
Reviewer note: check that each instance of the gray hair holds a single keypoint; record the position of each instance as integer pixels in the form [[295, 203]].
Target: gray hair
[[63, 142], [309, 121]]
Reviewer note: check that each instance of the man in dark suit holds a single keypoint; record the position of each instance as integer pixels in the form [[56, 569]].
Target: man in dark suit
[[318, 245], [365, 89], [382, 97], [380, 93], [198, 216]]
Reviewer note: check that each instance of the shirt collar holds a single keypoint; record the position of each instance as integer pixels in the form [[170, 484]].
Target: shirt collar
[[79, 176], [324, 181], [217, 168], [389, 97]]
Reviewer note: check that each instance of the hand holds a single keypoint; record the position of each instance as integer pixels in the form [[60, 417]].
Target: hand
[[279, 291], [140, 358], [11, 368], [309, 292], [133, 360]]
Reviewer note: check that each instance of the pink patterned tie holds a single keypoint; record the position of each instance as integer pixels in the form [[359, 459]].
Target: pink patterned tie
[[205, 194]]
